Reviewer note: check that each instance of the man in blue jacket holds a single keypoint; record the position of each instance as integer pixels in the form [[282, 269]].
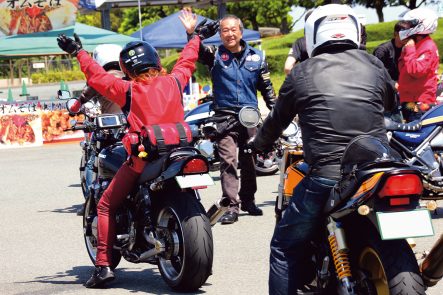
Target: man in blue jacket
[[237, 72]]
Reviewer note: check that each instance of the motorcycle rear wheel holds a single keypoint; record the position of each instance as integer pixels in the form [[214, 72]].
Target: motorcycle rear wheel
[[391, 266], [90, 233], [187, 261]]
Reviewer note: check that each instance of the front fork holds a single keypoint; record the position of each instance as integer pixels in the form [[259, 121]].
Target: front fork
[[339, 251]]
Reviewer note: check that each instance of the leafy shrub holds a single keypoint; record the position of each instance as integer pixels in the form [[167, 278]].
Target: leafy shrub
[[52, 76]]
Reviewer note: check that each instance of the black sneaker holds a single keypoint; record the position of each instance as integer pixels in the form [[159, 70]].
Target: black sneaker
[[251, 208], [100, 276]]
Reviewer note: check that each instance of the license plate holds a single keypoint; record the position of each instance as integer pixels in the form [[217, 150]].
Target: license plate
[[196, 180], [407, 224]]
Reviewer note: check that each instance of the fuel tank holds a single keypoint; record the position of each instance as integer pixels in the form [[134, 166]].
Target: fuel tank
[[430, 120], [110, 160], [199, 114]]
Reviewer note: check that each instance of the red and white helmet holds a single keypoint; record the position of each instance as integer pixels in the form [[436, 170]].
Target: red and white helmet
[[423, 20], [330, 25]]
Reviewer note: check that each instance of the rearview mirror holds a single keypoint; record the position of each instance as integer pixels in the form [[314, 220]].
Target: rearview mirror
[[63, 94]]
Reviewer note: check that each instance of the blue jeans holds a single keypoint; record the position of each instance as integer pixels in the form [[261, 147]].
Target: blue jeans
[[290, 242]]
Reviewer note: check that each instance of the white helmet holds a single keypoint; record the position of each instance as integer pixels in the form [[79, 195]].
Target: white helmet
[[330, 25], [108, 56], [423, 21]]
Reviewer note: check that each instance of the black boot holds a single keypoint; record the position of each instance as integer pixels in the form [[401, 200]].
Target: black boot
[[251, 208], [100, 276]]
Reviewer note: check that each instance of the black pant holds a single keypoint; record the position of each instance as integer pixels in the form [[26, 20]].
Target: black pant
[[227, 149]]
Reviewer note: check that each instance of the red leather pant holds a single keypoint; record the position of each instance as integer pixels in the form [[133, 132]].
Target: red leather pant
[[112, 198]]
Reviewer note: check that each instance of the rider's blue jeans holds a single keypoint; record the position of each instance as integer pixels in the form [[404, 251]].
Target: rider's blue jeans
[[290, 242]]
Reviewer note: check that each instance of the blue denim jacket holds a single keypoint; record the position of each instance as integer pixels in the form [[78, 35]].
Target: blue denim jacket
[[235, 82]]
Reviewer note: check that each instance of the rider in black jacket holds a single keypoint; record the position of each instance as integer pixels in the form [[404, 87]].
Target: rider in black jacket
[[340, 92]]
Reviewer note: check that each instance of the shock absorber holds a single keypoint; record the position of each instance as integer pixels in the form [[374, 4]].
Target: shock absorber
[[339, 252]]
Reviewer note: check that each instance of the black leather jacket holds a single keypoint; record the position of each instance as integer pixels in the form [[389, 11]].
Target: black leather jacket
[[337, 96]]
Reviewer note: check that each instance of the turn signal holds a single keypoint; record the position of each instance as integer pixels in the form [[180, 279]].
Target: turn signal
[[402, 184], [363, 210], [195, 166], [431, 205]]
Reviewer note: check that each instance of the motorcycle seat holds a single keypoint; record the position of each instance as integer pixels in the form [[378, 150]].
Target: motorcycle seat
[[152, 170], [396, 126]]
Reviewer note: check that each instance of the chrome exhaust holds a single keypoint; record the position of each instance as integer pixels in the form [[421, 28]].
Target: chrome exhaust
[[432, 266], [217, 210]]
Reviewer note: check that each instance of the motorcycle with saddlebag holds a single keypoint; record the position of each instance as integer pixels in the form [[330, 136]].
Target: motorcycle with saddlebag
[[361, 247], [162, 220]]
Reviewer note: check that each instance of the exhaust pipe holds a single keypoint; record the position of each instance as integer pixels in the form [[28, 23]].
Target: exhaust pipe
[[432, 266], [217, 210]]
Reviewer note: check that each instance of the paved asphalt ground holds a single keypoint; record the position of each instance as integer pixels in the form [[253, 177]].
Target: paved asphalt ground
[[41, 244]]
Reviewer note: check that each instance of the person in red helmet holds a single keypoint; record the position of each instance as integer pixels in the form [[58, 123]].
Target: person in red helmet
[[152, 97]]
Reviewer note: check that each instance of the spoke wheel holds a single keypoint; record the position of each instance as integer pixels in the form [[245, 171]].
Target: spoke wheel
[[90, 220]]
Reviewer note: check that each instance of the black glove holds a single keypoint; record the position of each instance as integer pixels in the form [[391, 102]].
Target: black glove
[[68, 45], [205, 31]]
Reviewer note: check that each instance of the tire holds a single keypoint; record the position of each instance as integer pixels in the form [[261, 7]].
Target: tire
[[90, 233], [83, 174], [186, 263], [261, 170], [391, 265]]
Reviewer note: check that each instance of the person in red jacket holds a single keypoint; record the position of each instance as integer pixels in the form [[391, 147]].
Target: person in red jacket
[[418, 64], [152, 97]]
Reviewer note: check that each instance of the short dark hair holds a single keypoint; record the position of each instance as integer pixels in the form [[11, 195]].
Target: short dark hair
[[231, 16], [402, 25]]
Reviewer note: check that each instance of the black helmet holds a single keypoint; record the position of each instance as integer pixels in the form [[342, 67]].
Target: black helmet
[[138, 57]]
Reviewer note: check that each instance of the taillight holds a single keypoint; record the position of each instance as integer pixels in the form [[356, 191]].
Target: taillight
[[399, 201], [401, 185], [195, 166]]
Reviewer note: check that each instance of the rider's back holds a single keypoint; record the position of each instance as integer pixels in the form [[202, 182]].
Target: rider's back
[[338, 96]]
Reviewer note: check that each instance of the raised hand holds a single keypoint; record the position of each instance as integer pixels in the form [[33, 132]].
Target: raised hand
[[68, 45], [188, 19], [205, 31]]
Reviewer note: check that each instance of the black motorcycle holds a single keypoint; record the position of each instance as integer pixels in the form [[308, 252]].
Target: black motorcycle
[[361, 247], [203, 122], [162, 220]]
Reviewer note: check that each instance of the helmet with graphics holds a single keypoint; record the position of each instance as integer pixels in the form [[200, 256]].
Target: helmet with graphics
[[423, 22], [331, 25], [138, 57]]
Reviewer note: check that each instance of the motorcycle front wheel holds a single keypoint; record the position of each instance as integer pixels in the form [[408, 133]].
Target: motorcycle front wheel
[[90, 233], [186, 263]]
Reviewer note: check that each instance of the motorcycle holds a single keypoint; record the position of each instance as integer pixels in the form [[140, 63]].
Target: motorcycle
[[289, 149], [162, 221], [361, 247], [420, 143], [202, 121]]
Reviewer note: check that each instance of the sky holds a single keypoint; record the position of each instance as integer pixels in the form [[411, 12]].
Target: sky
[[390, 13]]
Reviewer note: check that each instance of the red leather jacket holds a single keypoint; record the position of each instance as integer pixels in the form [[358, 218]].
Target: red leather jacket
[[155, 103], [418, 67]]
